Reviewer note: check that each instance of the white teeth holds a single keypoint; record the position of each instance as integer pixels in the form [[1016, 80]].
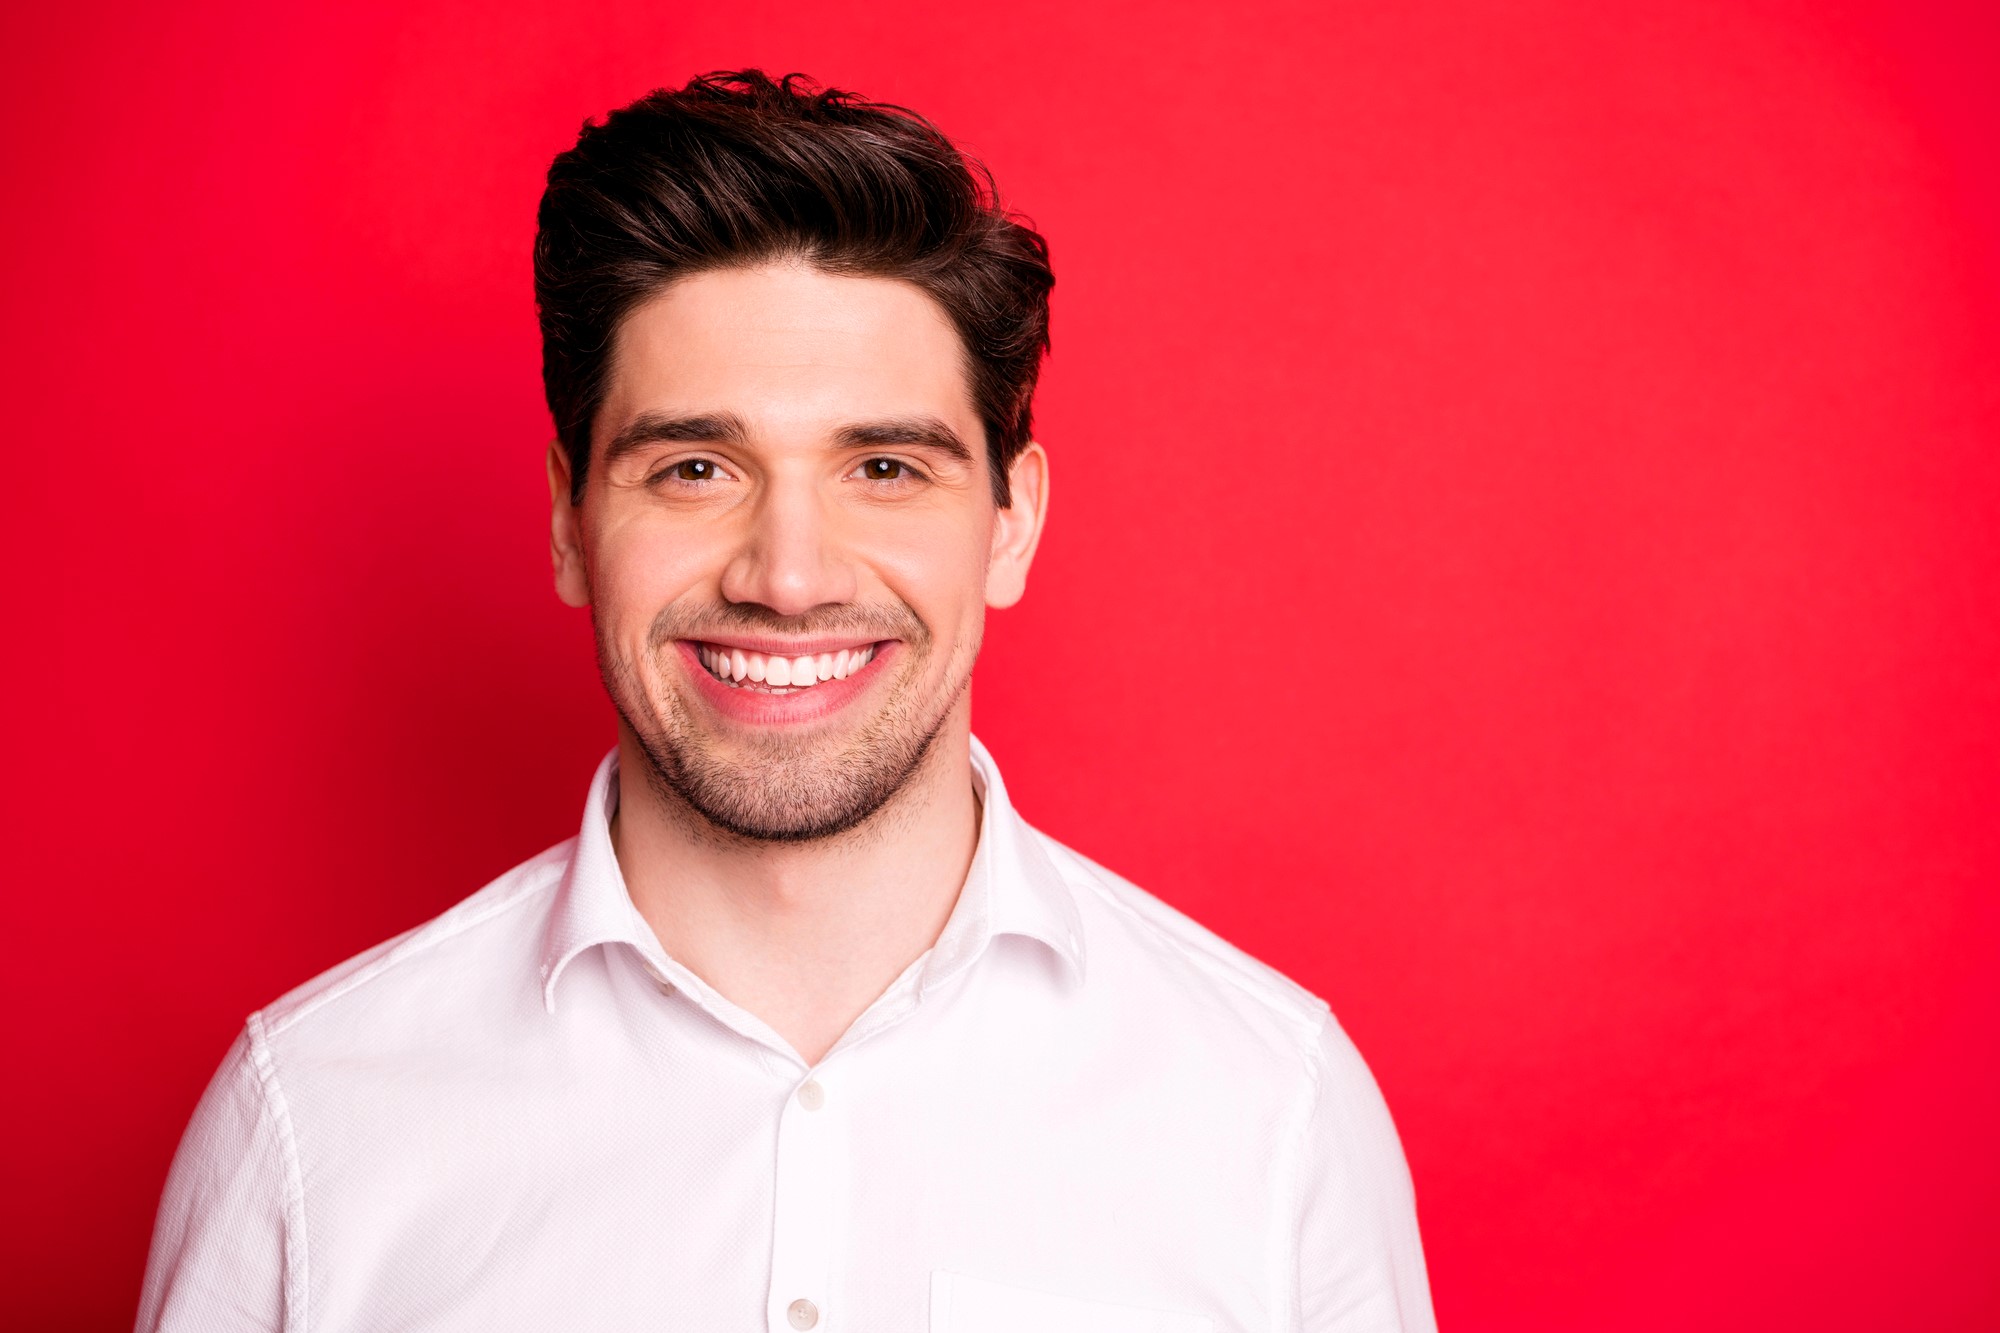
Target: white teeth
[[734, 664]]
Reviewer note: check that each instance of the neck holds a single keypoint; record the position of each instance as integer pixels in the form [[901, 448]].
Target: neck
[[803, 935]]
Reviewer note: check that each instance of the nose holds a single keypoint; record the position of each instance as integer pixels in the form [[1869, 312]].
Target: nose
[[789, 557]]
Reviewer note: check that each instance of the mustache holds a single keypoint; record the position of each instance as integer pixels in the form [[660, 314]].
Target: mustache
[[869, 622]]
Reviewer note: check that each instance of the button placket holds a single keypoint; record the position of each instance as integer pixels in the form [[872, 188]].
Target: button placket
[[807, 1214]]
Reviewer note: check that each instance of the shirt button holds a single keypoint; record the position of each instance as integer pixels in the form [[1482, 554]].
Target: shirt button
[[802, 1313], [811, 1096]]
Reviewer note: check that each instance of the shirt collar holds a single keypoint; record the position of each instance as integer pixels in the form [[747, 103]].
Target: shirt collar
[[1011, 888]]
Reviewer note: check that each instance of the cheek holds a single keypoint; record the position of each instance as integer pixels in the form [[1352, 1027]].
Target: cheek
[[939, 571], [636, 571]]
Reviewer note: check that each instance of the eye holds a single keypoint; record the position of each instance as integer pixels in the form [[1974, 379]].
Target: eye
[[886, 469], [693, 469]]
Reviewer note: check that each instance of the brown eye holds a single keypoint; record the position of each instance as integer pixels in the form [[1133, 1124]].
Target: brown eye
[[882, 469], [694, 469]]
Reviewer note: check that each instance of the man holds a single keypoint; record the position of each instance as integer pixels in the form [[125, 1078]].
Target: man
[[805, 1028]]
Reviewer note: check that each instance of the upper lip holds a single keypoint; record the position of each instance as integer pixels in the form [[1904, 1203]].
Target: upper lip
[[770, 647]]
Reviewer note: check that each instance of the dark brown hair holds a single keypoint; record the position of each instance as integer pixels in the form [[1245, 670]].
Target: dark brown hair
[[736, 168]]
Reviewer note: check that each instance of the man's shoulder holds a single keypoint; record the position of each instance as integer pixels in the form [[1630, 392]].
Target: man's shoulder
[[491, 935], [1178, 962]]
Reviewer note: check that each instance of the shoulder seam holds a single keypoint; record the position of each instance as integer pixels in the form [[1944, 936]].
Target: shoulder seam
[[1305, 1016], [418, 939], [296, 1271]]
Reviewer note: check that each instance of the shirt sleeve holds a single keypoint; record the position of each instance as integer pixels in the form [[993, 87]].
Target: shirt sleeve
[[220, 1242], [1360, 1262]]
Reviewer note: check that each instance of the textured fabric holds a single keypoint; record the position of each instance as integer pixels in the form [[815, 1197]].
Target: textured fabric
[[1077, 1110]]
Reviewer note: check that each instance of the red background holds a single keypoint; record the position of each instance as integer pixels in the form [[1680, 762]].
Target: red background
[[1521, 561]]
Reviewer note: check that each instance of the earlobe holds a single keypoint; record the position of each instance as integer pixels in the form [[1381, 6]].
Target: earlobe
[[566, 532], [1017, 529]]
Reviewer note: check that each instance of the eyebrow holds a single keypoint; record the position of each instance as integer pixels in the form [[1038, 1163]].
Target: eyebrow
[[656, 428], [926, 432]]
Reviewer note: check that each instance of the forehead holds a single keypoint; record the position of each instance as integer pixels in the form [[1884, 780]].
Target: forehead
[[791, 350]]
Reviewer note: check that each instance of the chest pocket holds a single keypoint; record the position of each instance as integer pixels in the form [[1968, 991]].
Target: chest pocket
[[961, 1304]]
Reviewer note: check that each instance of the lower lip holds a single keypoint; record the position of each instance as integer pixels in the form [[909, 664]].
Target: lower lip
[[763, 708]]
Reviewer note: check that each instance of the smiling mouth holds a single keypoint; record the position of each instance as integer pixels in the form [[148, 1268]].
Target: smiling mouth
[[768, 673]]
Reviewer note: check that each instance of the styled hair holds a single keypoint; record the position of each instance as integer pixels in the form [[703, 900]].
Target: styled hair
[[737, 169]]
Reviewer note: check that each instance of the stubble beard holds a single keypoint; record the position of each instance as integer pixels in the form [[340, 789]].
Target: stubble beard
[[783, 788]]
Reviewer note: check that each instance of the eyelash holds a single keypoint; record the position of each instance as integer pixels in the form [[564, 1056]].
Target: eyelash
[[911, 472]]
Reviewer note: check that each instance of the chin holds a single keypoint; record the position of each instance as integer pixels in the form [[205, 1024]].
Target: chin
[[816, 784]]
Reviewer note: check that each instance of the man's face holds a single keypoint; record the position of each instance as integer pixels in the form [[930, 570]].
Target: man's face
[[788, 541]]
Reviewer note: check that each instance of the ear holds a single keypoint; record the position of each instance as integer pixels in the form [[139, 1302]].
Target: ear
[[1018, 528], [566, 532]]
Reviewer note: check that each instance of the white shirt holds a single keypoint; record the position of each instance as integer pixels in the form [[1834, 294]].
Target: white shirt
[[1077, 1110]]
